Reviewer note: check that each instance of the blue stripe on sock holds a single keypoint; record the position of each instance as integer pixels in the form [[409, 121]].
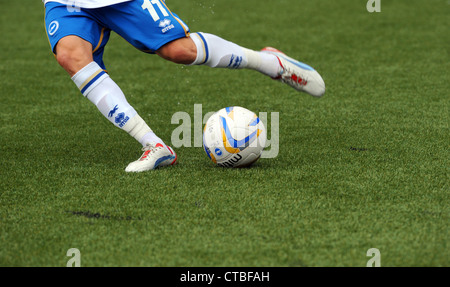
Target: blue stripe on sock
[[206, 47], [92, 81]]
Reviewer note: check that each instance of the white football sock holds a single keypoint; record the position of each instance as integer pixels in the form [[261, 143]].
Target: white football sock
[[96, 85], [266, 63], [138, 129], [216, 52], [151, 137]]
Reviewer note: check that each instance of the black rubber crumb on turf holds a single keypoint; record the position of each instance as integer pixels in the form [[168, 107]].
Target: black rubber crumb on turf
[[358, 149], [96, 215]]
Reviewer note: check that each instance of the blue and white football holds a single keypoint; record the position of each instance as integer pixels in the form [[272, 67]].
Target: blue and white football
[[234, 137]]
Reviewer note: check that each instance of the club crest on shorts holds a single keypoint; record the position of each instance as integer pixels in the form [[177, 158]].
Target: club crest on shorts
[[53, 27]]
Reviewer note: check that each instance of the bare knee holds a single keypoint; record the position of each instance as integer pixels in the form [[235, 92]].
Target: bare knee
[[181, 51], [73, 54]]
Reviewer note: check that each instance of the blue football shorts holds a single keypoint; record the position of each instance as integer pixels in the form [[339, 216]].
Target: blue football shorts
[[146, 24]]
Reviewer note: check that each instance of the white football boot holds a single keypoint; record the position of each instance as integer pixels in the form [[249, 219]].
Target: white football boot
[[297, 74], [154, 156]]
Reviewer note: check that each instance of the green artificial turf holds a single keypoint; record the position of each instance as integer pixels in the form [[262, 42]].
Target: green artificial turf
[[366, 166]]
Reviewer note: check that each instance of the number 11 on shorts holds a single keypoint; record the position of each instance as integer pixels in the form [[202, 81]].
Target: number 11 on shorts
[[148, 5]]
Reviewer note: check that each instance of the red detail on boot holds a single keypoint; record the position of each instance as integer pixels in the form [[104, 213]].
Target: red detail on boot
[[299, 80]]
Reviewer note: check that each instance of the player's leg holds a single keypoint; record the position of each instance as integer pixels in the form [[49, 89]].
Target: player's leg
[[73, 53], [73, 45], [151, 27], [213, 51]]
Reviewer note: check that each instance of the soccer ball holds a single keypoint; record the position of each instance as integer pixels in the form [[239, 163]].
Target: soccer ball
[[234, 137]]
